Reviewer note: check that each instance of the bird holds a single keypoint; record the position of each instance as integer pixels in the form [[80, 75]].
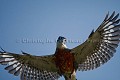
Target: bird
[[97, 50]]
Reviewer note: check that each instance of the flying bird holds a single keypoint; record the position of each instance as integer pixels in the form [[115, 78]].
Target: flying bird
[[99, 48]]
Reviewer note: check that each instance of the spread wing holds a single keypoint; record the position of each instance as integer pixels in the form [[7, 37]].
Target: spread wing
[[30, 67], [100, 45]]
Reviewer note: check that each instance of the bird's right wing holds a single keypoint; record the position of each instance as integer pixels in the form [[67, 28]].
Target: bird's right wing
[[30, 67]]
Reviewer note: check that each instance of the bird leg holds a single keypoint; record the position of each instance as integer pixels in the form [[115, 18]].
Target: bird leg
[[71, 77]]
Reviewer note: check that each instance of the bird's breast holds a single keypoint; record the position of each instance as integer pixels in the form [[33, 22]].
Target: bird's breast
[[64, 60]]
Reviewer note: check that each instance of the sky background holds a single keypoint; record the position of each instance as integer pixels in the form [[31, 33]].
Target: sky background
[[34, 25]]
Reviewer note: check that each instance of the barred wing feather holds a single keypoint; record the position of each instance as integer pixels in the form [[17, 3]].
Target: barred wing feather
[[100, 45], [30, 67]]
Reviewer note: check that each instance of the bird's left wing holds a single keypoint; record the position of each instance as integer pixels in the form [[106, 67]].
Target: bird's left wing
[[30, 67], [100, 46]]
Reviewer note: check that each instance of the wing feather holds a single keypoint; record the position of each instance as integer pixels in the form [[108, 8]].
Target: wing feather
[[30, 67], [100, 46]]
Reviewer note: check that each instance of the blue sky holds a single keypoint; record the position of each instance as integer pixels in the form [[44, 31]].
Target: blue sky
[[34, 25]]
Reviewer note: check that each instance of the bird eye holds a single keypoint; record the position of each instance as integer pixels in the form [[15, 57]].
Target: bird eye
[[65, 40]]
